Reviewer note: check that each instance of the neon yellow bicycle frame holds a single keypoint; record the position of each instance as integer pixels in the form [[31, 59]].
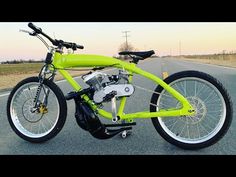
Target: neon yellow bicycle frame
[[65, 61]]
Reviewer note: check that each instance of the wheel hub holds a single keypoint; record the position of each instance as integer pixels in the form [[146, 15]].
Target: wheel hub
[[199, 107], [200, 110], [31, 114]]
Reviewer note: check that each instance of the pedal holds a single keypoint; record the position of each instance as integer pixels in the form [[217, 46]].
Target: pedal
[[125, 133], [120, 125], [121, 131]]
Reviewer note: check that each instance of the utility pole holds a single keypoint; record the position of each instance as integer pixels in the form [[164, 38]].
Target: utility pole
[[126, 36]]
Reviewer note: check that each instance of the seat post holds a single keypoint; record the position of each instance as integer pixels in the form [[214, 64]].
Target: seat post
[[135, 59]]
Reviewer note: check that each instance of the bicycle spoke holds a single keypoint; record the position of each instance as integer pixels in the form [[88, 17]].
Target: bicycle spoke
[[207, 103], [199, 135], [205, 100], [35, 123], [176, 86], [43, 126], [182, 131], [203, 128], [200, 91]]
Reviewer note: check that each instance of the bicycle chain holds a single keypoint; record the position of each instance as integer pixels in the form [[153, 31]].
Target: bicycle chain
[[151, 91]]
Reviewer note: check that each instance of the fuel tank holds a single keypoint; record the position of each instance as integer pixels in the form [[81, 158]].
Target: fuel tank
[[84, 60]]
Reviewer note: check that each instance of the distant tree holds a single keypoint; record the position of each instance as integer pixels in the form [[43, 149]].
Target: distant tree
[[126, 47], [30, 61]]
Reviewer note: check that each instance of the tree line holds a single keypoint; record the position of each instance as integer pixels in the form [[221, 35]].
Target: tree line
[[22, 61]]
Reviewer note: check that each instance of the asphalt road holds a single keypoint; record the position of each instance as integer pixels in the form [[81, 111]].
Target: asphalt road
[[144, 140]]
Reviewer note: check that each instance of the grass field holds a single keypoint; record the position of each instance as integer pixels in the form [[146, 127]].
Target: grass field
[[24, 68], [11, 74], [228, 60]]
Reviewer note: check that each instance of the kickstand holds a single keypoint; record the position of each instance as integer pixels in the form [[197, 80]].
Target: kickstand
[[125, 133]]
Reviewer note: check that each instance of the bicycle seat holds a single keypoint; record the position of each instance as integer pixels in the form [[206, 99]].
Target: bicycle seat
[[143, 54]]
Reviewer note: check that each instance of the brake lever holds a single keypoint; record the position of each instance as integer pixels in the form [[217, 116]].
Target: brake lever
[[30, 33]]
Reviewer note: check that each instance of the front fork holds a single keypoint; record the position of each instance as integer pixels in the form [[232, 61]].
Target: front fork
[[41, 107]]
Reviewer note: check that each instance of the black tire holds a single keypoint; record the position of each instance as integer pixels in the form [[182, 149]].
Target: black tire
[[221, 128], [22, 132]]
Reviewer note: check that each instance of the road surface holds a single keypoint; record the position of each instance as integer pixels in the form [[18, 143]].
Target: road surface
[[72, 140]]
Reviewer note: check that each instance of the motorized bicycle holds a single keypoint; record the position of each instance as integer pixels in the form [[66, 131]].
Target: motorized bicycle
[[189, 109]]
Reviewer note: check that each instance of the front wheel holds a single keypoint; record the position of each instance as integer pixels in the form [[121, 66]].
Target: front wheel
[[36, 112], [212, 105]]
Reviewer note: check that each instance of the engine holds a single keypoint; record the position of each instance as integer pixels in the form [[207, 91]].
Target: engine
[[108, 86]]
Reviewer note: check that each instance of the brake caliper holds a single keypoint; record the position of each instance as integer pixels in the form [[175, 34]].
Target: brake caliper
[[43, 109]]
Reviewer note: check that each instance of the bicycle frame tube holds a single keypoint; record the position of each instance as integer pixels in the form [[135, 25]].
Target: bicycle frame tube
[[62, 61]]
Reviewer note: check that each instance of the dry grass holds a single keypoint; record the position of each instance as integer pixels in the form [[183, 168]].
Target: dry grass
[[228, 63], [11, 74], [23, 68], [228, 60]]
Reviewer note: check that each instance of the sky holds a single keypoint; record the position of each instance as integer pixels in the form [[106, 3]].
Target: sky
[[104, 38]]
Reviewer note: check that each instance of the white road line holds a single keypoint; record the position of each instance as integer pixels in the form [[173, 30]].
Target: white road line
[[60, 81], [5, 94]]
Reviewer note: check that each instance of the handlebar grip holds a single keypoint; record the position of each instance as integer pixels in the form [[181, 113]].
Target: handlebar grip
[[35, 28], [80, 46], [71, 45]]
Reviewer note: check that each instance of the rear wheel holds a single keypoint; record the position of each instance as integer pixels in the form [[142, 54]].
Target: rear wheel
[[211, 103], [41, 122]]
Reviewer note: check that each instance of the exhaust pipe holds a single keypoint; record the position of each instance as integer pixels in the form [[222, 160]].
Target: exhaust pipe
[[88, 121]]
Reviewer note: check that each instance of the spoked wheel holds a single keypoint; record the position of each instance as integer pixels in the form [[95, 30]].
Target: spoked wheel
[[36, 120], [211, 103]]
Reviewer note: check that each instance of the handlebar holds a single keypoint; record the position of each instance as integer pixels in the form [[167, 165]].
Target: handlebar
[[59, 43], [72, 45], [35, 28]]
